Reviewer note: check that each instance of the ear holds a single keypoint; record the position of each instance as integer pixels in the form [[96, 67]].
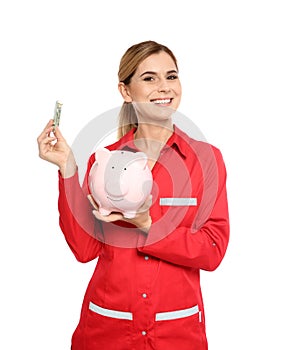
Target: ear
[[102, 154], [124, 91]]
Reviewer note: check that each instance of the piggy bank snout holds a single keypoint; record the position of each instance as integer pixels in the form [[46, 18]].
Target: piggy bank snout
[[116, 188]]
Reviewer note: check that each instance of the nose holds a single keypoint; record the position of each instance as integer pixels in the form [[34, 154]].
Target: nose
[[116, 188], [163, 85]]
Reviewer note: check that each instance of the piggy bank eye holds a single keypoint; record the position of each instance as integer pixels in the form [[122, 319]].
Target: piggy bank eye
[[125, 168], [113, 167]]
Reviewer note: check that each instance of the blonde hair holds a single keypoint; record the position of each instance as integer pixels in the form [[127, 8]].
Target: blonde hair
[[128, 66]]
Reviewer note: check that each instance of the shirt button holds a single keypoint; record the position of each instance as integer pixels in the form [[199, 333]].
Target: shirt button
[[143, 332], [144, 295], [146, 257]]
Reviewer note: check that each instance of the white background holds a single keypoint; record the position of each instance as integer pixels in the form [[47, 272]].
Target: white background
[[230, 58]]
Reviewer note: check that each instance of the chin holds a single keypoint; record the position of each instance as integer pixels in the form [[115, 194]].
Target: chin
[[150, 111]]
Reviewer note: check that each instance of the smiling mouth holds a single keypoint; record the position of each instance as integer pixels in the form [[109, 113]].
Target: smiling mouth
[[162, 101]]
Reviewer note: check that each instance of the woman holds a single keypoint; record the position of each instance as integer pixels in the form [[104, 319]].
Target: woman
[[145, 292]]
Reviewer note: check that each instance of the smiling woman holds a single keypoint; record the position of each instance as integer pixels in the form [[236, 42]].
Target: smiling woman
[[148, 73], [181, 228]]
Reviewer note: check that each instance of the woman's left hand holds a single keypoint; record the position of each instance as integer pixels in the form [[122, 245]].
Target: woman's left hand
[[142, 220]]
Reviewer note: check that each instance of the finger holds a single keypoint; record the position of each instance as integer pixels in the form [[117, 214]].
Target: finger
[[149, 200], [50, 123], [46, 131], [92, 201], [45, 146], [48, 140], [48, 127], [58, 134], [108, 218]]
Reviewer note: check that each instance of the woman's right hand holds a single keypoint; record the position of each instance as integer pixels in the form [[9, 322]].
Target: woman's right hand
[[142, 220], [55, 149]]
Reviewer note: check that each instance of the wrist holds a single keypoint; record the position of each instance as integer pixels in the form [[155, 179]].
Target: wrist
[[68, 170], [68, 167], [146, 227]]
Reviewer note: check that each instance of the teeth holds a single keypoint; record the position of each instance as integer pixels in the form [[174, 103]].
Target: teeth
[[162, 101]]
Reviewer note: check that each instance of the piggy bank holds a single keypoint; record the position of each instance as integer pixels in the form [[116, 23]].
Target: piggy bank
[[120, 181]]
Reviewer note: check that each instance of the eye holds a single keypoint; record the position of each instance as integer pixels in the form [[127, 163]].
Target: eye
[[149, 78], [125, 168], [172, 77], [113, 167]]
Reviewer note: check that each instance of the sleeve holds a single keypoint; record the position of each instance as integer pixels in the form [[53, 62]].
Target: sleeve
[[82, 231], [201, 248]]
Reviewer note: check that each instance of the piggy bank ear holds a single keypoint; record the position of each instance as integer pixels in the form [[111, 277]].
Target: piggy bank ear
[[102, 155], [141, 160]]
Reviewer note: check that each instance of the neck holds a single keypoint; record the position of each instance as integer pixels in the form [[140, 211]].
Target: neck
[[149, 132], [150, 138]]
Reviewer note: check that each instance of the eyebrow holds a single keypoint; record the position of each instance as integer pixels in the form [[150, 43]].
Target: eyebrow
[[154, 73]]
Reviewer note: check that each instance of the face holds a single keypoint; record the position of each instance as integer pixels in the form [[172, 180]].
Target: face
[[155, 88]]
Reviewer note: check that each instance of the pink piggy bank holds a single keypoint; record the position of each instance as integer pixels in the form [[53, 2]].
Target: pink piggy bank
[[120, 181]]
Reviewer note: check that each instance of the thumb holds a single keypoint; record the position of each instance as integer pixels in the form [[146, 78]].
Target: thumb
[[58, 134]]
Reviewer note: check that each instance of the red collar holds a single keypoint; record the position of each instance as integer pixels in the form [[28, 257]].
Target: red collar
[[178, 141]]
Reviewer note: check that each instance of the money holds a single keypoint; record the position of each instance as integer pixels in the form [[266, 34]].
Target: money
[[57, 114]]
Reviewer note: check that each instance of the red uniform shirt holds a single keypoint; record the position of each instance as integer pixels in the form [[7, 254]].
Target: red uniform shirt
[[145, 291]]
